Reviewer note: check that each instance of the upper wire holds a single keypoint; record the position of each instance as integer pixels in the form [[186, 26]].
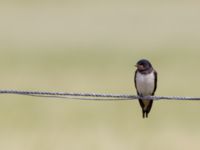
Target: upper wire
[[93, 96]]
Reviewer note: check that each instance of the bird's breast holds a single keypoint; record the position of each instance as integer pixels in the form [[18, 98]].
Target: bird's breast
[[145, 83]]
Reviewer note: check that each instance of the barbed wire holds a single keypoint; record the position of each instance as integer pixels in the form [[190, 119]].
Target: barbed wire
[[93, 96]]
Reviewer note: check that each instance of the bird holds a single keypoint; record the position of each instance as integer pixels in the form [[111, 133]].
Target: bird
[[145, 80]]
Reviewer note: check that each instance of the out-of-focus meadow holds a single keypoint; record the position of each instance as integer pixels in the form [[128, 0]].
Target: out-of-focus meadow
[[92, 46]]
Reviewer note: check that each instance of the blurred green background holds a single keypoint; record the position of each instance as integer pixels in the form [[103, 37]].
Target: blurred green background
[[92, 46]]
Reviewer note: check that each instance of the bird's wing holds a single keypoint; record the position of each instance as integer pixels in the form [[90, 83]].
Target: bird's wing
[[135, 82], [155, 81]]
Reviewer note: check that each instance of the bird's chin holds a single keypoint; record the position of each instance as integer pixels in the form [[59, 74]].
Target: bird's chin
[[140, 68]]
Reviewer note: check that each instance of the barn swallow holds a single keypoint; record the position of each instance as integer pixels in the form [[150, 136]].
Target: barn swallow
[[145, 84]]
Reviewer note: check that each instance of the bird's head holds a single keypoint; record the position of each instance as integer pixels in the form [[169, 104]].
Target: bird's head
[[143, 65]]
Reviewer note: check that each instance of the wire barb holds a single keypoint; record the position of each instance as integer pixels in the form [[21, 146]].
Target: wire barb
[[93, 96]]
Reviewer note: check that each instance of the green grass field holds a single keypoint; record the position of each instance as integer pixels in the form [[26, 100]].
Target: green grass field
[[92, 46]]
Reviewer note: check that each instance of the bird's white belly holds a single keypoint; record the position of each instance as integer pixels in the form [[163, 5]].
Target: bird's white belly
[[145, 83]]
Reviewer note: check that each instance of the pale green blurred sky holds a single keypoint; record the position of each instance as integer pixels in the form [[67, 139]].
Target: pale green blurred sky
[[103, 24]]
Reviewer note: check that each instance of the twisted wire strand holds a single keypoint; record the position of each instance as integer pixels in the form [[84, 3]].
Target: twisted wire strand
[[93, 96]]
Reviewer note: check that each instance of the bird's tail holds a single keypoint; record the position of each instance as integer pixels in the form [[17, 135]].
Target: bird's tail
[[146, 110], [145, 114]]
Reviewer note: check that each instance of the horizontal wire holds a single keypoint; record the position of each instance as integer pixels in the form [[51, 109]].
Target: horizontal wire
[[93, 96]]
